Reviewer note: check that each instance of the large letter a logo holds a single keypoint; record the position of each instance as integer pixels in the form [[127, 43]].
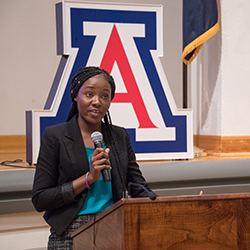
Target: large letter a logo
[[126, 41]]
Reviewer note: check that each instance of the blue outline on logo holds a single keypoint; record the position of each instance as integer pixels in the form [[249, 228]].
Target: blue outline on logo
[[144, 45]]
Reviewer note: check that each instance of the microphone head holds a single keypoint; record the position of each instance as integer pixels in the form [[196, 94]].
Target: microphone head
[[96, 137], [152, 196]]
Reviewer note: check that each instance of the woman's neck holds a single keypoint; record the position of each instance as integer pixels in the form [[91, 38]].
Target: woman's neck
[[86, 132]]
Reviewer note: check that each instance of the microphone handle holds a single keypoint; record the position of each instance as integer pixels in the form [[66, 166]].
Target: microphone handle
[[105, 172], [106, 175]]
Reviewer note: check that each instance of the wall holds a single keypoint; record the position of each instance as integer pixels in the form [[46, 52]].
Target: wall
[[219, 77], [29, 61], [23, 231], [235, 73]]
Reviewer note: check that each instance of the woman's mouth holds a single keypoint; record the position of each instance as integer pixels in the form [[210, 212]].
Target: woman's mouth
[[95, 112]]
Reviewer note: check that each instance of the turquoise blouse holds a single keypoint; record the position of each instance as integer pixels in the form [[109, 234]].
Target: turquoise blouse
[[99, 197]]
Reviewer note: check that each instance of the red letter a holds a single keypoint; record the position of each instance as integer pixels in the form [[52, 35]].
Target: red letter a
[[115, 52]]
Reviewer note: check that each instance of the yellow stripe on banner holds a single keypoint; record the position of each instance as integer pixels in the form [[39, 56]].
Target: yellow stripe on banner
[[197, 43]]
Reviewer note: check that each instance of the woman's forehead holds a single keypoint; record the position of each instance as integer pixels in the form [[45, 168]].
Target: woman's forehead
[[97, 82]]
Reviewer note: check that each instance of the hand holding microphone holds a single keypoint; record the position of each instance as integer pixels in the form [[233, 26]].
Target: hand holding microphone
[[96, 137]]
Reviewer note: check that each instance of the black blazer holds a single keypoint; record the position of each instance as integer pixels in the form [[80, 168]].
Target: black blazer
[[62, 159]]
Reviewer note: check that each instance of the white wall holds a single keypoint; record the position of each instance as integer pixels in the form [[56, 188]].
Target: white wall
[[26, 231], [29, 62], [219, 77], [28, 59], [235, 69]]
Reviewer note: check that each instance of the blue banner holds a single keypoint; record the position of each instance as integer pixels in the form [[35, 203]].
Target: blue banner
[[200, 22]]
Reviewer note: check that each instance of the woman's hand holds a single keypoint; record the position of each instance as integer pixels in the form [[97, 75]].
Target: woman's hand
[[99, 161]]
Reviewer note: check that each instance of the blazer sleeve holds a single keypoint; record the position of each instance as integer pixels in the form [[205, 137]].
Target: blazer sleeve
[[47, 194]]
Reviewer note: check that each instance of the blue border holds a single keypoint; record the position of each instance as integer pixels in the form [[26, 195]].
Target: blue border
[[144, 45]]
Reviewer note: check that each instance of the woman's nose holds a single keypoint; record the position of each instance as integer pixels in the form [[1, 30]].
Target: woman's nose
[[96, 100]]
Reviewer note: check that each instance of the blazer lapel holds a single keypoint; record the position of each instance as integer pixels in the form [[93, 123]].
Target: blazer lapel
[[75, 148]]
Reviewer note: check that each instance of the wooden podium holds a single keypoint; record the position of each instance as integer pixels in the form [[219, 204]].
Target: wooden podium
[[208, 222]]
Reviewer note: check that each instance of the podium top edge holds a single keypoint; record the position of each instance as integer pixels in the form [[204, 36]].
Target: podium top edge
[[187, 198]]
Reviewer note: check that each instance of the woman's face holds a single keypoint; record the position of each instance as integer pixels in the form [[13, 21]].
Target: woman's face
[[93, 100]]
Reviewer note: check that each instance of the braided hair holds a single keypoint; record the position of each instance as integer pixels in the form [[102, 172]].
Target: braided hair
[[82, 76]]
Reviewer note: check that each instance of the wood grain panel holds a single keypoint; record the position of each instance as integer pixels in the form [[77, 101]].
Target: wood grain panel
[[243, 229], [109, 232], [218, 222], [132, 227], [223, 144], [12, 147], [12, 143], [87, 238], [189, 225]]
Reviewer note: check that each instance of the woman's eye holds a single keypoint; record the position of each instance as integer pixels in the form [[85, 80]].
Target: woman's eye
[[89, 94], [105, 96]]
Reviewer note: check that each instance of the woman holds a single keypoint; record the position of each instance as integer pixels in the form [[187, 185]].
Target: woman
[[68, 184]]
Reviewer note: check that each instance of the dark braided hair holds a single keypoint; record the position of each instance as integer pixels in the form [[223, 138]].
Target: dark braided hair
[[82, 76]]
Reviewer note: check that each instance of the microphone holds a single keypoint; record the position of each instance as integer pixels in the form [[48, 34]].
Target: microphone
[[96, 137], [151, 195]]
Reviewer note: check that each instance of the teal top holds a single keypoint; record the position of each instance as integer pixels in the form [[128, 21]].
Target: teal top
[[99, 197]]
